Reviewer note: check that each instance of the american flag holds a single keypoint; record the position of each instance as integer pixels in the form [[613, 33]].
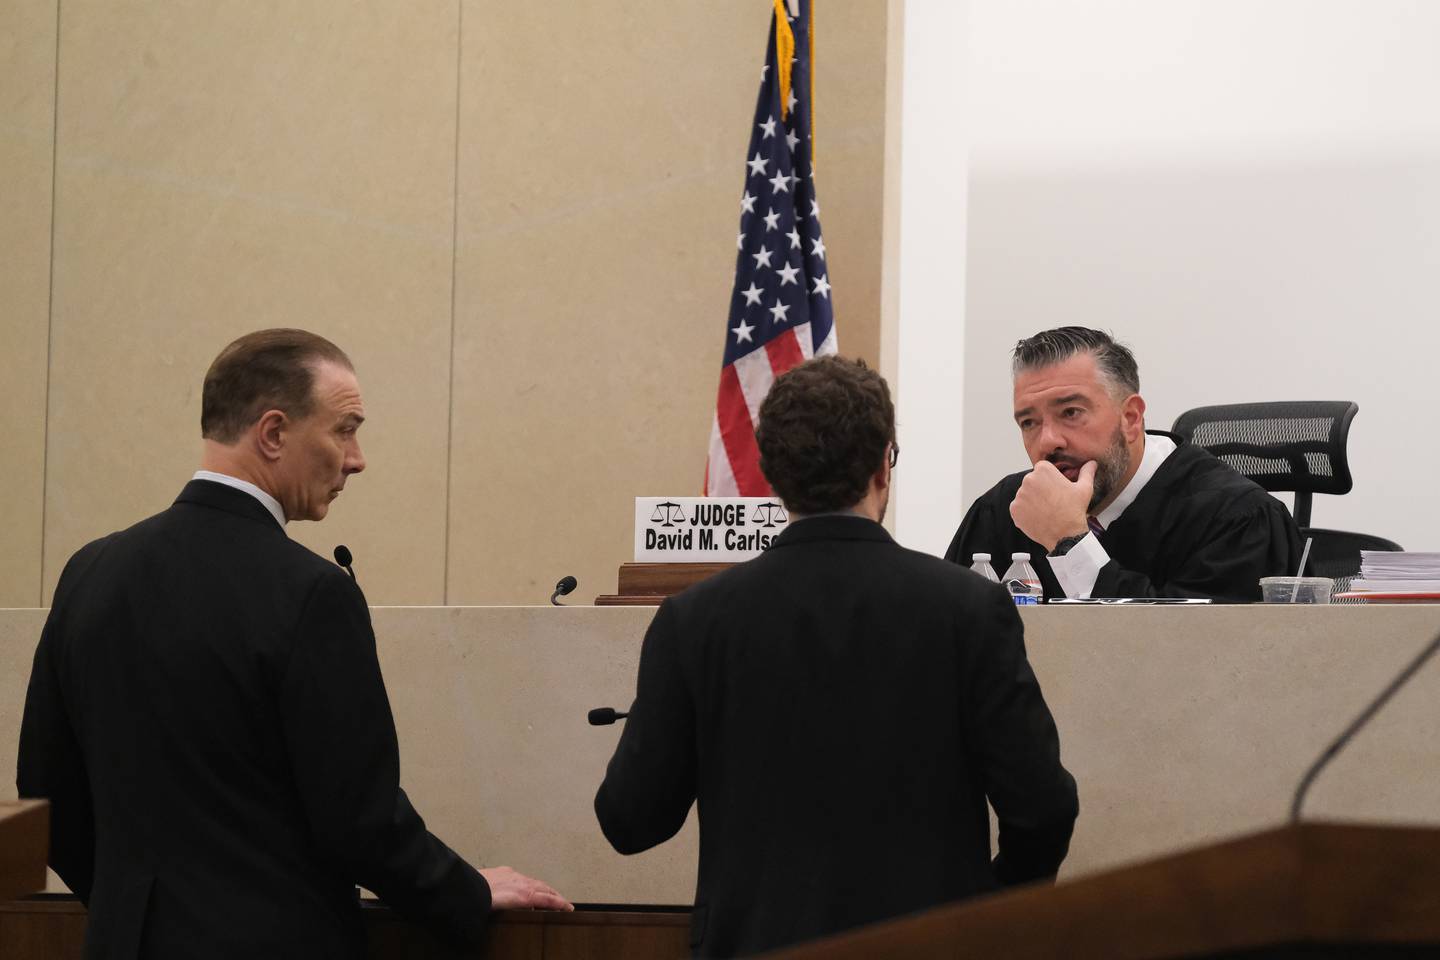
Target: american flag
[[780, 310]]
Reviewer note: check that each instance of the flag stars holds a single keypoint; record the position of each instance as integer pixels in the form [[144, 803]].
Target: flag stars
[[790, 211]]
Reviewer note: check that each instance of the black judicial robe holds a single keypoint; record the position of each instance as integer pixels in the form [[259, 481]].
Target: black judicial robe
[[1197, 529]]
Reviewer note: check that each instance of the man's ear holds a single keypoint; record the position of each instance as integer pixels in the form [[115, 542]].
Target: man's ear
[[1132, 417], [881, 479], [270, 432]]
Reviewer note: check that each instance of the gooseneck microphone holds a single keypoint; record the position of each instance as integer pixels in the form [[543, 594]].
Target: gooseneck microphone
[[562, 588], [1410, 670], [604, 716], [342, 557]]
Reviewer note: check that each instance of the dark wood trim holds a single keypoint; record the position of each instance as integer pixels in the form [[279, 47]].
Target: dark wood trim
[[24, 846], [52, 927], [646, 584], [639, 600], [1332, 887], [1313, 890]]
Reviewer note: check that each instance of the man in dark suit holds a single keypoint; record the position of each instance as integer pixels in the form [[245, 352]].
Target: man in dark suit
[[206, 713], [842, 707]]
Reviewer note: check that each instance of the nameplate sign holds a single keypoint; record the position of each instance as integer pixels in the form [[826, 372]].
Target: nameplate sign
[[705, 529]]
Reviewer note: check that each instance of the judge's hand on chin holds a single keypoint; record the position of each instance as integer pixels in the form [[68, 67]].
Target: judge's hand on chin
[[515, 891], [1049, 507]]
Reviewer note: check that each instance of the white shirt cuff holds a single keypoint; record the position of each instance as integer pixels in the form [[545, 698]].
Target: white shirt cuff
[[1078, 569]]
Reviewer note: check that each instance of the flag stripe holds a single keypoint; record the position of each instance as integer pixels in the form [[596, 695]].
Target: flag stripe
[[803, 338], [738, 434], [719, 481], [755, 374], [784, 352]]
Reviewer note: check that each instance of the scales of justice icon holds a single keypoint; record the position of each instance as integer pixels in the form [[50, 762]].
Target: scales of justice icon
[[667, 514], [770, 514]]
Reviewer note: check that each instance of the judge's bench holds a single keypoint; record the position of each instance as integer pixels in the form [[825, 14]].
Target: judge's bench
[[1185, 728]]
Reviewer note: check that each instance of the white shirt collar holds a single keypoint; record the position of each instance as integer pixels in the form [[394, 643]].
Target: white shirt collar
[[1157, 448], [267, 501]]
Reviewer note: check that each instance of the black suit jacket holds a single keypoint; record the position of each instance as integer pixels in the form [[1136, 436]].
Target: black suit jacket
[[206, 715], [842, 708]]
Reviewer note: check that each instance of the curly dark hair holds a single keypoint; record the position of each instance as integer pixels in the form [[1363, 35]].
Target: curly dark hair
[[823, 430], [1116, 362], [264, 370]]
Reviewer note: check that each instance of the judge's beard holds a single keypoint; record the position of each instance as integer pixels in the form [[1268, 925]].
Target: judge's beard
[[1110, 467]]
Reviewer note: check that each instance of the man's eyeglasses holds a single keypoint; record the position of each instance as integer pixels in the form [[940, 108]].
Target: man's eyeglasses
[[894, 455]]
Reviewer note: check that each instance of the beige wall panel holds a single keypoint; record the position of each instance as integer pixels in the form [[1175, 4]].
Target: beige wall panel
[[1181, 726], [234, 166], [598, 200], [27, 137], [849, 97]]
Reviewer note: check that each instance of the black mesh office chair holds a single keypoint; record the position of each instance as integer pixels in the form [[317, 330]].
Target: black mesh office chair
[[1290, 446]]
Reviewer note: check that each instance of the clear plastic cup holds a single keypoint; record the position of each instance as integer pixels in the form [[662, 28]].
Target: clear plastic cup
[[1296, 589]]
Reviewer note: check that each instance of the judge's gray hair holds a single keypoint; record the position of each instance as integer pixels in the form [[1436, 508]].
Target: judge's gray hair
[[1049, 347]]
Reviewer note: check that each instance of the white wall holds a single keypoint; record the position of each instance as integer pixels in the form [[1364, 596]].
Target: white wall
[[923, 278], [1248, 193]]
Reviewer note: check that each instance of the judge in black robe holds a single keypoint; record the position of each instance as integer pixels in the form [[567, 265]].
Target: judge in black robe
[[1196, 529]]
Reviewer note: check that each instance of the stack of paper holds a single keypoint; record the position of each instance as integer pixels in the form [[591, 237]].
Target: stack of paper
[[1389, 571]]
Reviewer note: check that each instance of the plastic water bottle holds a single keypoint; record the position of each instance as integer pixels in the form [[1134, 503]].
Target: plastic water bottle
[[980, 563], [1021, 581]]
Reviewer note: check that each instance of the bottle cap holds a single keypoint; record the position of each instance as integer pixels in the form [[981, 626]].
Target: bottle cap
[[980, 558], [1020, 556]]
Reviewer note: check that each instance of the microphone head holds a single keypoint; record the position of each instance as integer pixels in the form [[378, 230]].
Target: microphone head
[[601, 716], [342, 555], [565, 585]]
